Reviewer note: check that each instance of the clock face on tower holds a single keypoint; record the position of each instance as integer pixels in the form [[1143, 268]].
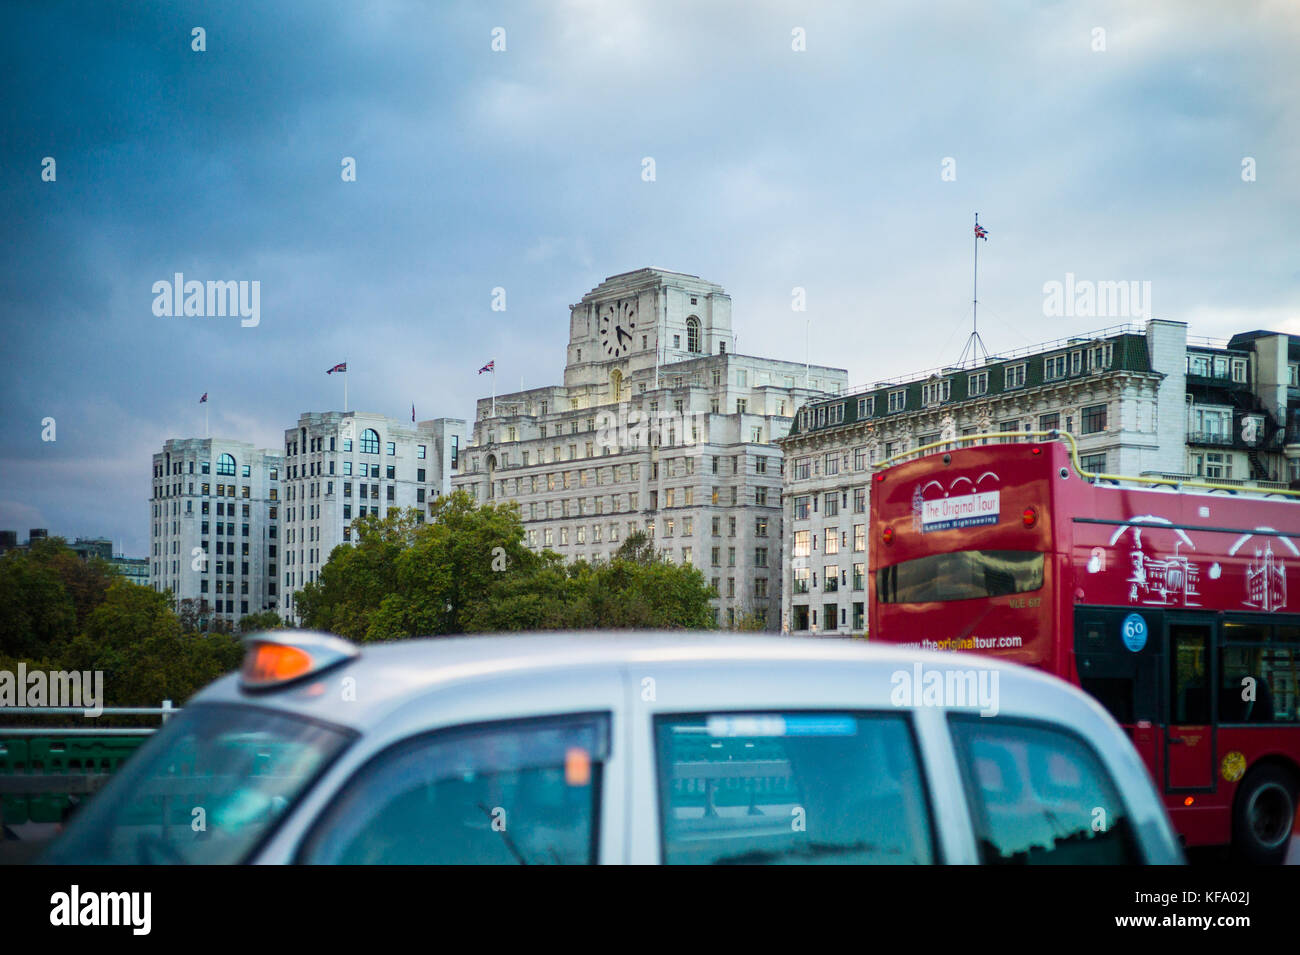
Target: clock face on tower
[[617, 322]]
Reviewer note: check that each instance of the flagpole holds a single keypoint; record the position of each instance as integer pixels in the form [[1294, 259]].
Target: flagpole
[[494, 389], [345, 391], [207, 432], [974, 344], [975, 293]]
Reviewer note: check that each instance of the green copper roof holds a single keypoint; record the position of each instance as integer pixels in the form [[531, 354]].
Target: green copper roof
[[1128, 353]]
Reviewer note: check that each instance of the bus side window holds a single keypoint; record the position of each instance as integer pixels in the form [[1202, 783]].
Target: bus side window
[[1106, 671], [1189, 691], [1259, 664]]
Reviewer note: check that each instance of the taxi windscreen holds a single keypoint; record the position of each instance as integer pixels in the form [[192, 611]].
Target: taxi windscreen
[[205, 789]]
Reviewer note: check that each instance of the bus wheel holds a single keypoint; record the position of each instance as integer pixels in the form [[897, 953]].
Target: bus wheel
[[1262, 816]]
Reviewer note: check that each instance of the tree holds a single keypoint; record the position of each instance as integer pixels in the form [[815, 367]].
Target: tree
[[266, 620], [468, 571], [637, 548], [136, 640], [751, 621], [39, 614], [457, 562], [86, 581], [655, 594], [354, 581]]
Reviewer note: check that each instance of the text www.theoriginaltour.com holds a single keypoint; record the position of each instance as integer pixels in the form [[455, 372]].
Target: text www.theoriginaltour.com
[[965, 643]]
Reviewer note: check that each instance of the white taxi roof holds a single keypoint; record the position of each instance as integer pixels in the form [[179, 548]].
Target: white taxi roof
[[820, 671]]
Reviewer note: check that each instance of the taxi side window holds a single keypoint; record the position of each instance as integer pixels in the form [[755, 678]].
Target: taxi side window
[[518, 792], [778, 788], [1040, 796]]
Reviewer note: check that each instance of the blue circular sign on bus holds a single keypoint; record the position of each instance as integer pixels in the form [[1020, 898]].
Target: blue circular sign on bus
[[1134, 632]]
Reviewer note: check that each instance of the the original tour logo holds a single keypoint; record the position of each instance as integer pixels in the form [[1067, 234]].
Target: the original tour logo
[[966, 503]]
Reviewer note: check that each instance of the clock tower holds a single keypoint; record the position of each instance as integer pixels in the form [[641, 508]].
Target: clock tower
[[637, 320]]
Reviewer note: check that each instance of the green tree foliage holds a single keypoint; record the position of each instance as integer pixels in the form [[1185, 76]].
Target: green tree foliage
[[47, 592], [38, 614], [468, 571], [637, 548], [61, 612], [259, 622], [136, 639]]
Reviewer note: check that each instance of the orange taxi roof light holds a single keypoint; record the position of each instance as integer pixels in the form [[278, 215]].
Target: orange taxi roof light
[[266, 664], [272, 660]]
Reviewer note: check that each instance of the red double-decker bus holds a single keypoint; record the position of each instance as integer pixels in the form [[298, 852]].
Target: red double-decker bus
[[1169, 603]]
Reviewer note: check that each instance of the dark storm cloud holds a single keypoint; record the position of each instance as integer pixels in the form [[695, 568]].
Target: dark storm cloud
[[522, 170]]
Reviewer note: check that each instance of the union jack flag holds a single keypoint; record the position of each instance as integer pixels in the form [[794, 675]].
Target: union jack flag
[[204, 398], [341, 366], [981, 232], [490, 366]]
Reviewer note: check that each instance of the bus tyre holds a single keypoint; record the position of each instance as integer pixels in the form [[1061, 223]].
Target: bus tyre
[[1262, 816]]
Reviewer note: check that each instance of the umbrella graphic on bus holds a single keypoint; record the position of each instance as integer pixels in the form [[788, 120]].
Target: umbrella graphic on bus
[[1159, 581]]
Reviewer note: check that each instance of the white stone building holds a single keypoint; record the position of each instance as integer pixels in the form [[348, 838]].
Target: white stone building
[[214, 526], [659, 426], [1141, 400], [341, 465]]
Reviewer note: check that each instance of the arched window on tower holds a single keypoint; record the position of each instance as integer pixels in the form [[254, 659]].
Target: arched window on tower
[[369, 441], [693, 335], [226, 465]]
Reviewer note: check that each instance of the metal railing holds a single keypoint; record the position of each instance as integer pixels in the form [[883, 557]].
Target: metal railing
[[163, 712], [1028, 351], [79, 783]]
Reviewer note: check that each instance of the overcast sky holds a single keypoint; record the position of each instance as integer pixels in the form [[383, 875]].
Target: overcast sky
[[774, 168]]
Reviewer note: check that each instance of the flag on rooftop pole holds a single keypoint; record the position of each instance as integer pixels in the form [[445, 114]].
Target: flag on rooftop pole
[[492, 367], [204, 398], [981, 232], [343, 367], [412, 412]]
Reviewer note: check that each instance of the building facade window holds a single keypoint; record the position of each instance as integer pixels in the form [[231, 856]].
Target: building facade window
[[1093, 419], [802, 543], [1093, 463], [936, 392], [693, 334]]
